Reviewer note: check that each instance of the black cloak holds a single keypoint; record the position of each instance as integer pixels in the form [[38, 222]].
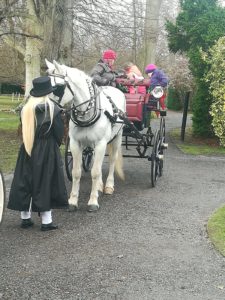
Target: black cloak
[[38, 181]]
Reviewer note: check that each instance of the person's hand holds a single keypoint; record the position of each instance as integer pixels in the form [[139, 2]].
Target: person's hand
[[120, 74], [110, 76]]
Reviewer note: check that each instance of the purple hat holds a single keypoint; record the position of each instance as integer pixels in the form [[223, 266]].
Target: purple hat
[[150, 68]]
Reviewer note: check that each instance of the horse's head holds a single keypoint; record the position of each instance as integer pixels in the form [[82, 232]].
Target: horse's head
[[58, 79], [78, 89], [77, 85]]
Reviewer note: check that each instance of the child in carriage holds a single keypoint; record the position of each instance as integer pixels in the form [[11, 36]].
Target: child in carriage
[[134, 74], [157, 77]]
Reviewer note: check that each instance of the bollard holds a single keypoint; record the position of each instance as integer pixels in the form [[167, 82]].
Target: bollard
[[185, 111]]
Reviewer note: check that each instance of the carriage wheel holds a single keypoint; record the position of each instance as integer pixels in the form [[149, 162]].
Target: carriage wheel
[[162, 133], [87, 160], [68, 160], [155, 159], [2, 196]]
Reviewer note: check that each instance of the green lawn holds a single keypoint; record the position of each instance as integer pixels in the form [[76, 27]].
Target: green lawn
[[6, 103], [195, 145]]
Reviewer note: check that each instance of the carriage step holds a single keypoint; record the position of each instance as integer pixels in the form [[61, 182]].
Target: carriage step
[[164, 145], [163, 113], [158, 157]]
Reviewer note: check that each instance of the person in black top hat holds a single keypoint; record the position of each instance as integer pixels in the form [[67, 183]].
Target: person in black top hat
[[38, 184]]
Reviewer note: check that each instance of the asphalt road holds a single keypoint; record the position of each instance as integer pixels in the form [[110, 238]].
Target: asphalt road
[[143, 243]]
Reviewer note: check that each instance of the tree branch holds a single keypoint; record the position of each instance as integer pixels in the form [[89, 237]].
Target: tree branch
[[22, 34]]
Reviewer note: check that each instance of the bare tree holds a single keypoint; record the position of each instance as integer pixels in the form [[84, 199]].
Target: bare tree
[[75, 32], [105, 24], [35, 29]]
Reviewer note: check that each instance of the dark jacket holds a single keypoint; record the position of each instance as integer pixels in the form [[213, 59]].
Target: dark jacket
[[39, 178], [102, 74], [158, 78]]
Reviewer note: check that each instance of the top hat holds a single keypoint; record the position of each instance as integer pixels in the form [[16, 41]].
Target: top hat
[[42, 86]]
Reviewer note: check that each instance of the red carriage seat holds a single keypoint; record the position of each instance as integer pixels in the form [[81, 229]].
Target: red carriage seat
[[135, 101], [135, 105]]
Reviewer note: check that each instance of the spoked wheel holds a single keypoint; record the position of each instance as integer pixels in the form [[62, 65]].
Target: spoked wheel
[[2, 196], [87, 160], [156, 159], [162, 132], [68, 160]]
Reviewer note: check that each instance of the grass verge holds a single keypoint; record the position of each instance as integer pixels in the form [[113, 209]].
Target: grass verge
[[9, 139], [216, 229], [196, 145]]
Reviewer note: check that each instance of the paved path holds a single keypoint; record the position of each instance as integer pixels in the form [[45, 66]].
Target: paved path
[[143, 243]]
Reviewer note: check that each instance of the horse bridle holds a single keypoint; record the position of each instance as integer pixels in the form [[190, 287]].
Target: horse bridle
[[76, 113]]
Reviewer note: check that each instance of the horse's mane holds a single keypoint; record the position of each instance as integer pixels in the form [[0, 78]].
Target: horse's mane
[[79, 72], [83, 80]]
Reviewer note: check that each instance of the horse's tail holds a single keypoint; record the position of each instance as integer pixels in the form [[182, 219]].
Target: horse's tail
[[119, 161]]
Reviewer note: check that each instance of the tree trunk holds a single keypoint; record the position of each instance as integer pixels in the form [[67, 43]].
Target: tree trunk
[[151, 29], [32, 63], [33, 47], [134, 48], [67, 36]]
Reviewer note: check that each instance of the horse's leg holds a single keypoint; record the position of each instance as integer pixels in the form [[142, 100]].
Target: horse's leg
[[96, 174], [76, 175], [100, 183], [114, 154]]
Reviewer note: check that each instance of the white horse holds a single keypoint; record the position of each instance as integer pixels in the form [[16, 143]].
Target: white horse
[[92, 111]]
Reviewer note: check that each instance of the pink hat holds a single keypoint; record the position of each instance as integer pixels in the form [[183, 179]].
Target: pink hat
[[150, 68], [109, 54]]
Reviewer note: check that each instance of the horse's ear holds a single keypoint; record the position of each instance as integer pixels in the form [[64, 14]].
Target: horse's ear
[[58, 67], [50, 66]]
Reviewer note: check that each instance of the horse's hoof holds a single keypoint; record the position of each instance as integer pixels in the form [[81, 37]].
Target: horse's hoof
[[92, 208], [72, 208], [108, 190]]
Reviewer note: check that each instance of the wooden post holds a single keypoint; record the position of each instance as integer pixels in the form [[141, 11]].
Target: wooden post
[[185, 111]]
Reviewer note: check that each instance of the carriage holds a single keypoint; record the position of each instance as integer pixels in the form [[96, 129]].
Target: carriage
[[99, 121], [137, 131]]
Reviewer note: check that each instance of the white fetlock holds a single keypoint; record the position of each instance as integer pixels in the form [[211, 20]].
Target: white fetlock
[[108, 190], [73, 201]]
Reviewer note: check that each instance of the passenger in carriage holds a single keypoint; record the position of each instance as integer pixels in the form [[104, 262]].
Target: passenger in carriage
[[38, 184], [103, 73], [157, 77], [133, 73]]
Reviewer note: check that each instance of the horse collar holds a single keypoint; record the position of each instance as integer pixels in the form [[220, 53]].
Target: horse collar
[[93, 103]]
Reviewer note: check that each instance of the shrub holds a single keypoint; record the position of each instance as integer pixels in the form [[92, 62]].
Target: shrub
[[216, 80], [174, 101]]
